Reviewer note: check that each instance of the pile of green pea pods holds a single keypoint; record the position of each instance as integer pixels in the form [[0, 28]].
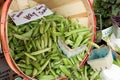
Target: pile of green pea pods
[[35, 50]]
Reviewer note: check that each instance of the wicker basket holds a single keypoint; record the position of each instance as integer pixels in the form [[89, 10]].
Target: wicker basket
[[80, 9]]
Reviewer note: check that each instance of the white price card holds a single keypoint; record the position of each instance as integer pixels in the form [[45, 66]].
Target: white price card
[[106, 32], [30, 14]]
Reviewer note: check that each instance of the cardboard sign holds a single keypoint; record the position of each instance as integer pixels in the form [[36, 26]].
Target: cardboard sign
[[31, 14]]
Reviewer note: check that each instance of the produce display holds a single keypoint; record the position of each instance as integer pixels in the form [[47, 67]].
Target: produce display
[[106, 8], [34, 47]]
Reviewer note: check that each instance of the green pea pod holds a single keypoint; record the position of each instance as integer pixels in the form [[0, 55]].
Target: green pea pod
[[58, 71], [15, 40], [45, 40], [78, 41], [21, 61], [53, 55], [85, 41], [40, 51], [50, 42], [75, 31], [42, 28], [77, 25], [53, 34], [76, 66], [62, 74], [54, 24], [28, 34], [47, 26], [49, 33], [33, 45], [9, 38], [19, 48], [25, 66], [44, 66], [27, 60], [37, 43], [94, 76], [88, 35], [38, 57], [36, 65], [58, 34], [12, 27], [30, 56], [72, 61], [69, 42], [75, 59], [35, 31], [64, 70], [34, 72], [22, 28], [47, 72], [77, 75], [20, 37], [65, 61], [58, 29], [85, 73], [46, 77], [62, 27], [74, 36], [28, 72], [67, 21], [57, 62], [54, 38], [93, 44], [19, 55], [79, 58], [53, 72], [42, 61], [91, 72], [34, 22], [42, 44], [83, 77], [56, 58], [20, 32], [27, 46], [12, 53], [69, 62]]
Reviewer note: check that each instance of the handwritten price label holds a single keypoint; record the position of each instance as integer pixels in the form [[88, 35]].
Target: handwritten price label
[[106, 32], [31, 14]]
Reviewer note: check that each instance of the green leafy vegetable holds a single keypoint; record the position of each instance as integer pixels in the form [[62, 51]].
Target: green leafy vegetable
[[106, 8]]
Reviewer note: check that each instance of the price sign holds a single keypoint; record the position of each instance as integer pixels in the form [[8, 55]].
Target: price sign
[[106, 32], [31, 14]]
